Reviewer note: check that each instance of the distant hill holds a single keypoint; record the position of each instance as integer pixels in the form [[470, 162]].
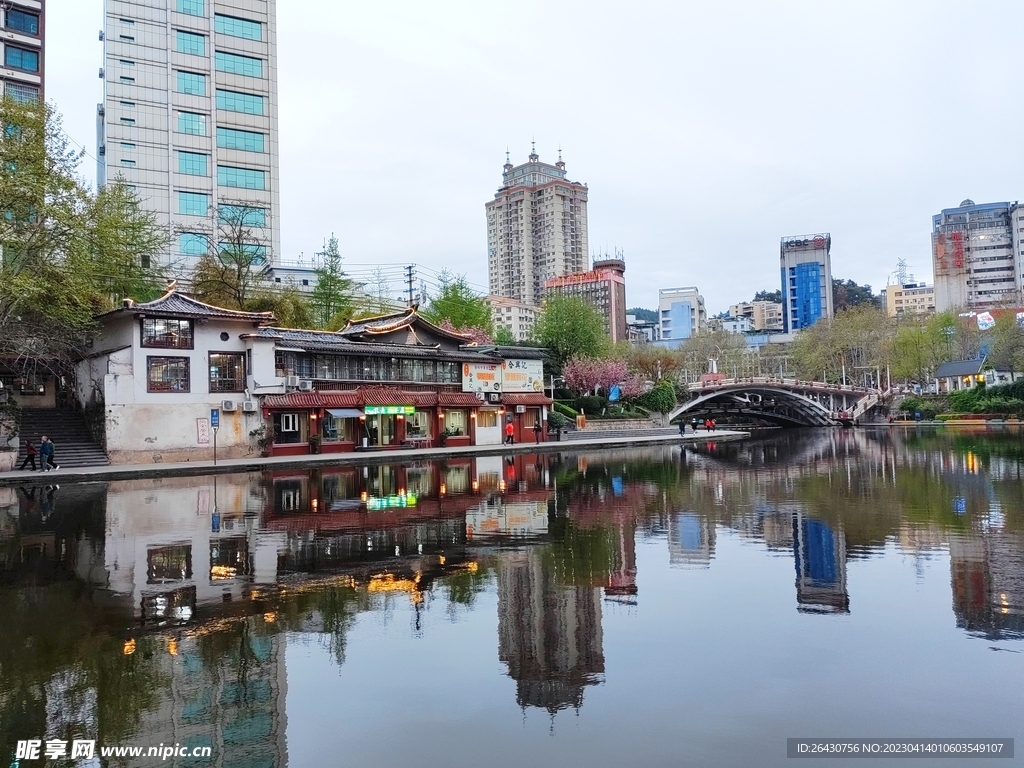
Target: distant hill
[[650, 315]]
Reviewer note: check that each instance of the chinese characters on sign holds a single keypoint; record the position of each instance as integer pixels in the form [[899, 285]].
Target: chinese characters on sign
[[389, 410], [481, 377], [203, 431], [522, 376]]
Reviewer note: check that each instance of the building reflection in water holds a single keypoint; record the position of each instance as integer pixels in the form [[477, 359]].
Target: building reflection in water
[[987, 575], [820, 555], [691, 540], [549, 634]]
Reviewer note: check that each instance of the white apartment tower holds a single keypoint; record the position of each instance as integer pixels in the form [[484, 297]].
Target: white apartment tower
[[21, 49], [189, 117], [536, 229]]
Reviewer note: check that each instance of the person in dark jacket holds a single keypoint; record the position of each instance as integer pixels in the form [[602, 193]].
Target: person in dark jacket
[[30, 456], [46, 454]]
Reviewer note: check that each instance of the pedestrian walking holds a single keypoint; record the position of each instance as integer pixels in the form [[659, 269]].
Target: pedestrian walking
[[695, 423], [682, 427], [30, 456], [510, 434], [714, 425], [46, 455], [537, 429]]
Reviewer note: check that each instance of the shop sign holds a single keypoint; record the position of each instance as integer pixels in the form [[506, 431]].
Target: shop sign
[[389, 410], [481, 377], [522, 376], [375, 503]]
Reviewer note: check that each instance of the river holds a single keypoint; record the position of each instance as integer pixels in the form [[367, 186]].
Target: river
[[642, 607]]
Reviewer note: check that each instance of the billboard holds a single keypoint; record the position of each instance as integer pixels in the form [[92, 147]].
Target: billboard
[[481, 377], [522, 376], [949, 252]]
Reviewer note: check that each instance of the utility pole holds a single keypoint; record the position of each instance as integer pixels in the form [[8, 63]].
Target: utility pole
[[410, 276]]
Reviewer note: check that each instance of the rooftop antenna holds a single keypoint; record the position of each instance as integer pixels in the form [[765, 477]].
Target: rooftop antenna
[[559, 151], [507, 160]]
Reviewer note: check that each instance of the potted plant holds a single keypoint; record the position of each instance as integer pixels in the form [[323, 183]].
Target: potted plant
[[314, 444]]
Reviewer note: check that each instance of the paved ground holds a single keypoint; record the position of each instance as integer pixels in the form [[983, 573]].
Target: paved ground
[[257, 464]]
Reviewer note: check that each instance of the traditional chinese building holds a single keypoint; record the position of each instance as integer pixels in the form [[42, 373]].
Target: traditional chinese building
[[174, 376]]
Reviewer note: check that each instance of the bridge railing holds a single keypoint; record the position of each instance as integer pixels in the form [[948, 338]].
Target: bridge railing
[[700, 386]]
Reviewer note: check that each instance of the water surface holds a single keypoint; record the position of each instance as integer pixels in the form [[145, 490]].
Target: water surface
[[650, 607]]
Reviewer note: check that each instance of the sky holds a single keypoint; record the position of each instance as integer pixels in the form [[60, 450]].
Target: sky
[[705, 131]]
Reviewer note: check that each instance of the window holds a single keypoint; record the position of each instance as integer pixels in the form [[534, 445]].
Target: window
[[19, 58], [242, 215], [129, 163], [166, 333], [167, 374], [235, 27], [22, 93], [192, 7], [289, 422], [191, 244], [486, 417], [128, 120], [227, 372], [232, 138], [192, 83], [238, 65], [418, 424], [126, 79], [243, 178], [127, 104], [192, 123], [127, 38], [22, 22], [193, 203], [127, 63], [190, 42], [192, 163], [247, 103], [127, 145], [455, 420]]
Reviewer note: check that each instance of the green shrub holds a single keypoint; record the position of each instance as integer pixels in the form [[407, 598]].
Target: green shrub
[[565, 410], [557, 420], [591, 404], [661, 399]]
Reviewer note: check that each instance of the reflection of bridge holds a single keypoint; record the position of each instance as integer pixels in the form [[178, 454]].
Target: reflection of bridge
[[783, 402]]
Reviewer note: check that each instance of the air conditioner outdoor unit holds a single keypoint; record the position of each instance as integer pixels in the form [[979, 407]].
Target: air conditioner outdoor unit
[[481, 395], [494, 397], [229, 406], [291, 381], [305, 385], [520, 409], [249, 406], [101, 73]]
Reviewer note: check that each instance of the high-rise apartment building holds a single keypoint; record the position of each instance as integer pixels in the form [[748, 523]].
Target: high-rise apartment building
[[681, 313], [806, 266], [763, 315], [978, 256], [189, 119], [22, 24], [517, 316], [603, 287], [536, 229]]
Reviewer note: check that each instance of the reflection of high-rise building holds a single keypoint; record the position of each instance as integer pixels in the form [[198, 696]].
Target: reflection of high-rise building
[[549, 634], [820, 556], [691, 540], [622, 579], [233, 702], [987, 574]]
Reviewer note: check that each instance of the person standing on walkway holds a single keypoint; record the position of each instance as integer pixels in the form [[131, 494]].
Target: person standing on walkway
[[537, 429], [682, 427], [46, 455], [30, 456], [510, 433]]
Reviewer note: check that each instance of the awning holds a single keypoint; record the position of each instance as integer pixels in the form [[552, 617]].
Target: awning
[[345, 413]]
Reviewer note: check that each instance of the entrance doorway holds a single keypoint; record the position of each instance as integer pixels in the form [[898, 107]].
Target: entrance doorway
[[381, 429]]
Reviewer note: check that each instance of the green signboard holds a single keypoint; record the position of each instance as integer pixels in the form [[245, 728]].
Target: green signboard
[[389, 410], [376, 503]]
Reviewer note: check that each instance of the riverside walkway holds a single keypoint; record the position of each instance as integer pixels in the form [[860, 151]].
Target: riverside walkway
[[399, 456]]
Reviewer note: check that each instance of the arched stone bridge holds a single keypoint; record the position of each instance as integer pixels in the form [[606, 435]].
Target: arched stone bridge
[[783, 402]]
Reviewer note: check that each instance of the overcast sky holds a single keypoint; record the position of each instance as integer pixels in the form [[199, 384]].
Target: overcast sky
[[705, 130]]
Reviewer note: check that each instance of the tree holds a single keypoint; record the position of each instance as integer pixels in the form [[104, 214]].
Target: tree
[[569, 327], [583, 375], [652, 362], [459, 304], [775, 296], [1007, 350], [289, 305], [846, 294], [504, 336], [854, 342], [332, 297], [236, 250], [376, 298], [644, 315], [66, 253]]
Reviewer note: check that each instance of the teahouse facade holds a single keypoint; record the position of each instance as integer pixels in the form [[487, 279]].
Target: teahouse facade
[[161, 369]]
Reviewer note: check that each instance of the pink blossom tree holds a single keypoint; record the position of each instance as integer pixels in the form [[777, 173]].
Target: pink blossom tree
[[584, 374]]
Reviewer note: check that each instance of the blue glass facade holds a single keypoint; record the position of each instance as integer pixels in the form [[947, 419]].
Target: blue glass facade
[[682, 322], [803, 303]]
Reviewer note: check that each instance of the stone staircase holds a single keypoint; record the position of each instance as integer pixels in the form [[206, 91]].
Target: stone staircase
[[596, 434], [73, 445]]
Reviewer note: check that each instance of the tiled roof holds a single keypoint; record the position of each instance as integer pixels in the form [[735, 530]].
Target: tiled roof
[[526, 398], [174, 304], [959, 368], [458, 399], [391, 323], [336, 343]]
